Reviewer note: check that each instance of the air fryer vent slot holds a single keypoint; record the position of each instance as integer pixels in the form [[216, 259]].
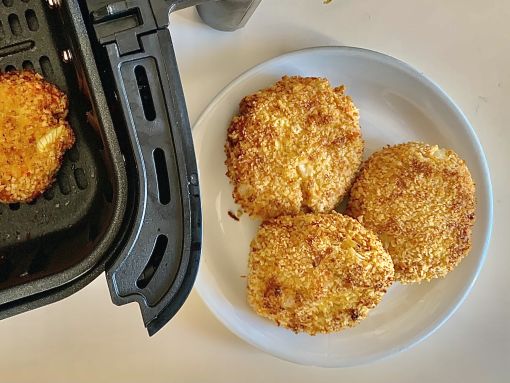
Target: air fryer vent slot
[[80, 178], [154, 261], [17, 47], [49, 194], [162, 176], [27, 65], [32, 22], [145, 93], [63, 184], [15, 24], [46, 67], [14, 206]]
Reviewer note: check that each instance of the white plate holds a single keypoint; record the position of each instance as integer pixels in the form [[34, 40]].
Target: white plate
[[397, 104]]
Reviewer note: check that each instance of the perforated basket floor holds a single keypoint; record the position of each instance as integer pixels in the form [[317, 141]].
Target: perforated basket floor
[[34, 237]]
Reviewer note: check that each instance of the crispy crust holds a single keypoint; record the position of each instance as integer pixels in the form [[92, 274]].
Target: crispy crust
[[420, 200], [34, 135], [294, 147], [316, 273]]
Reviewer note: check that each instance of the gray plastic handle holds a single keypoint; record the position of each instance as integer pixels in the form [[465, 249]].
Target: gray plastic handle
[[227, 15], [158, 261]]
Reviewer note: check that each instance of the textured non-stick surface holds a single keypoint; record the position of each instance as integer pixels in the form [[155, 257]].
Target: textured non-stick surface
[[61, 228], [69, 200]]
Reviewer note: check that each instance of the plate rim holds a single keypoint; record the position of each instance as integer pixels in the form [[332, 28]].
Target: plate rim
[[392, 61]]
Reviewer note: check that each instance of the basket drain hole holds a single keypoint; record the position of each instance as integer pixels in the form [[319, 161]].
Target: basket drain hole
[[81, 178], [64, 185], [8, 3], [46, 66], [145, 93], [27, 65], [32, 22], [157, 255], [162, 176], [15, 24], [10, 68], [14, 206], [49, 194]]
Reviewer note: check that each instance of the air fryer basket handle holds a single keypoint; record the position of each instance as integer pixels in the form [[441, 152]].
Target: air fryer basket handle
[[159, 254], [157, 258], [160, 259]]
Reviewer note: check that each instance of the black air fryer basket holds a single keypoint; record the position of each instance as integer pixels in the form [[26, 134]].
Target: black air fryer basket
[[126, 200]]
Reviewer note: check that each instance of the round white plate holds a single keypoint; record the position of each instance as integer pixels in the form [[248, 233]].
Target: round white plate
[[397, 104]]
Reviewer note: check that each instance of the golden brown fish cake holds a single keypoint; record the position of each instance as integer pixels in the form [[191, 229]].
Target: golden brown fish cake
[[420, 200], [294, 147], [316, 273], [34, 135]]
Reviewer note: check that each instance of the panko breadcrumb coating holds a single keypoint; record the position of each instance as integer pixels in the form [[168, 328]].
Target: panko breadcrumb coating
[[420, 200], [294, 147], [317, 273], [34, 135]]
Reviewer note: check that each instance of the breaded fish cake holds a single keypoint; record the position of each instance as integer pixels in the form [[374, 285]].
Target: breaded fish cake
[[317, 273], [294, 147], [34, 135], [420, 200]]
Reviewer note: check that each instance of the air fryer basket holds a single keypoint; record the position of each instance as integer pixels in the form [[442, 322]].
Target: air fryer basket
[[67, 232], [127, 198], [159, 260]]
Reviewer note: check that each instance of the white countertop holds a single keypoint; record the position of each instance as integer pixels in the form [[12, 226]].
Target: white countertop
[[461, 44]]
